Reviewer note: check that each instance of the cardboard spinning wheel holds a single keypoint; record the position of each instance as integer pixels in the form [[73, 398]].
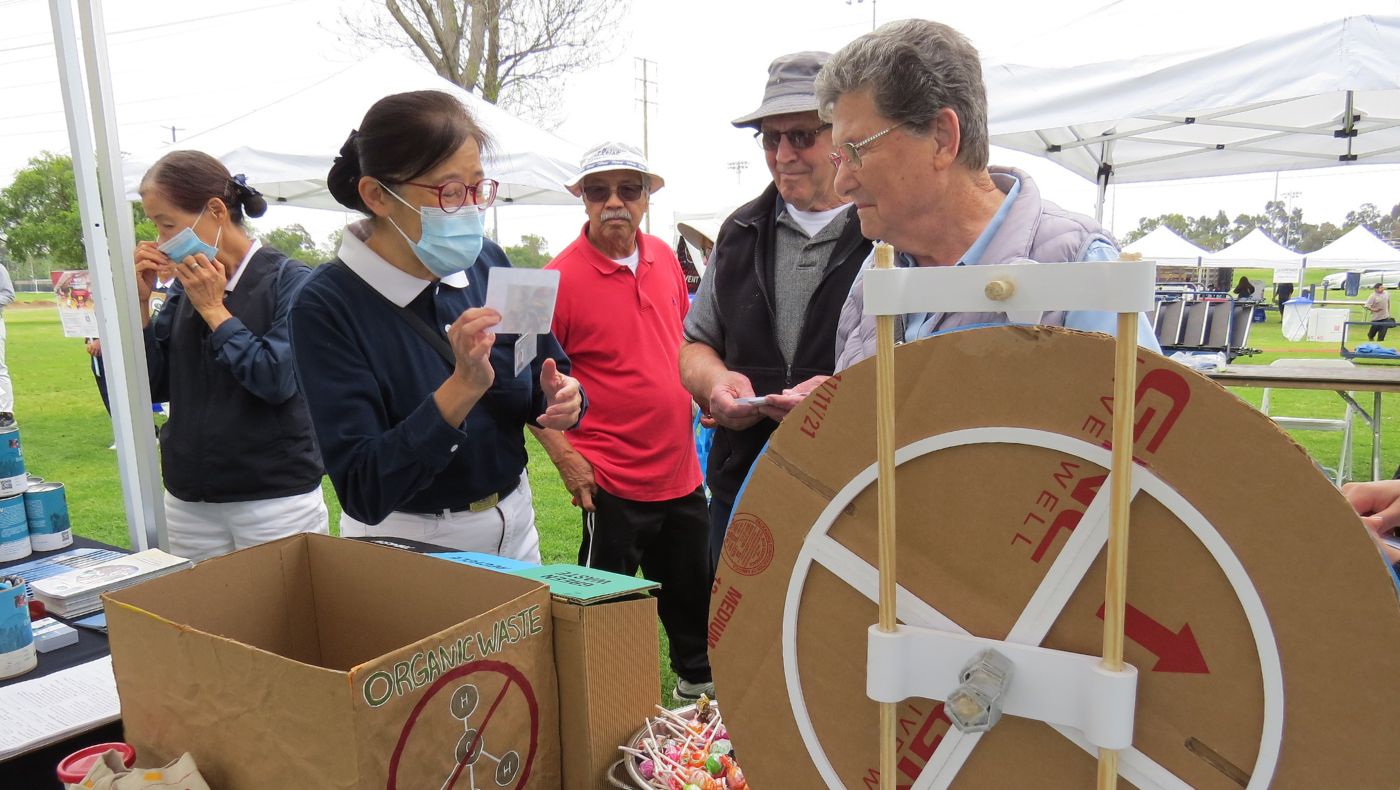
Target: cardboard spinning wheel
[[1264, 628]]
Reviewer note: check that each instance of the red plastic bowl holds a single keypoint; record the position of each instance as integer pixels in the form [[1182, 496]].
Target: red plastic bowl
[[75, 766]]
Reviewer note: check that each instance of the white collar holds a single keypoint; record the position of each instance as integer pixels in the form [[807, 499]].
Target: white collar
[[395, 284], [242, 267]]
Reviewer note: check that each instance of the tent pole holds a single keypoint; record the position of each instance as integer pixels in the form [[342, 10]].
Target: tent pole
[[1105, 172], [109, 240]]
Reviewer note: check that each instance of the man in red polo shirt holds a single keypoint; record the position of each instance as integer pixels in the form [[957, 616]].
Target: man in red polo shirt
[[631, 465]]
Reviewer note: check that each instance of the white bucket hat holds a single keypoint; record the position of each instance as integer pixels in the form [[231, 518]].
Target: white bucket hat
[[613, 156]]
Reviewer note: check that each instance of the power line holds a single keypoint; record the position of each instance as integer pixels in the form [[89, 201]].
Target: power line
[[157, 26], [132, 103]]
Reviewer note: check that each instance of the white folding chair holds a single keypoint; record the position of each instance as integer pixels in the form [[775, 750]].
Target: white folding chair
[[1342, 472]]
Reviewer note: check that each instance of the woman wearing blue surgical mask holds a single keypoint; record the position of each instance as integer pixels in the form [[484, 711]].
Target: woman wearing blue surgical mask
[[419, 407], [239, 459]]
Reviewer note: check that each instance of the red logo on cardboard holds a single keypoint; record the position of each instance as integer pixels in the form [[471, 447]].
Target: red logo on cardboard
[[748, 545]]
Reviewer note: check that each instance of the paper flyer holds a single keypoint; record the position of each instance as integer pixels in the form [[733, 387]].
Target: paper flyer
[[524, 298], [73, 292], [37, 712]]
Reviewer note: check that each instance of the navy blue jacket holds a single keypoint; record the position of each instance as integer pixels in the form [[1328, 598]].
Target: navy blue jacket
[[369, 379], [238, 430]]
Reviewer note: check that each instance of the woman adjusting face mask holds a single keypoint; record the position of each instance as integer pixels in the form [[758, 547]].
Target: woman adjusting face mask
[[452, 231], [186, 243]]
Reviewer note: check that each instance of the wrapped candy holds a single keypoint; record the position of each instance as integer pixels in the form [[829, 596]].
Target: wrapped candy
[[686, 750]]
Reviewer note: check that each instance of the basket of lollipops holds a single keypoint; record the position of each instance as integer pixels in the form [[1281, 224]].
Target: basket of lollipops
[[685, 749]]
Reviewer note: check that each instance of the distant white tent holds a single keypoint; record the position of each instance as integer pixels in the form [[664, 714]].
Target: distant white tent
[[1256, 251], [1358, 249], [1320, 96], [1168, 248], [286, 146]]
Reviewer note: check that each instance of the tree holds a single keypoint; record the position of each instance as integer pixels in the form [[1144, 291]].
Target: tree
[[1318, 236], [531, 253], [1174, 222], [511, 52], [294, 242], [1368, 215], [39, 219], [1208, 232]]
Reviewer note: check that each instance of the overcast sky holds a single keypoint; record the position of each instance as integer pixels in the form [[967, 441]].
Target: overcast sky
[[192, 64]]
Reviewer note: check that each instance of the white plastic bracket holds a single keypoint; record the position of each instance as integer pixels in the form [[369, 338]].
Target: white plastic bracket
[[1053, 686], [1109, 286]]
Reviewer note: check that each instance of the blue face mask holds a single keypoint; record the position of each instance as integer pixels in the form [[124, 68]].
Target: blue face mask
[[186, 243], [449, 242]]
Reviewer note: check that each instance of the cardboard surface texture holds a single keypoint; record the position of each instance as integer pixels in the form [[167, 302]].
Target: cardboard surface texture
[[607, 659], [979, 526], [319, 662]]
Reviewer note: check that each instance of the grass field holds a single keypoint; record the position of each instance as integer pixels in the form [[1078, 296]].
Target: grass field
[[66, 433]]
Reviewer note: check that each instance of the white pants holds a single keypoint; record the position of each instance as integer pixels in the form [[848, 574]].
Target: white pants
[[200, 530], [7, 388], [506, 530]]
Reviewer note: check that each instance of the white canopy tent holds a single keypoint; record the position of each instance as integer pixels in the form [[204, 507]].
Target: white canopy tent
[[1320, 96], [1358, 249], [1168, 248], [286, 146], [1257, 251]]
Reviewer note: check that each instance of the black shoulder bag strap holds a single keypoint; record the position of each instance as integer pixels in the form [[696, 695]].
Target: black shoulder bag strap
[[417, 324]]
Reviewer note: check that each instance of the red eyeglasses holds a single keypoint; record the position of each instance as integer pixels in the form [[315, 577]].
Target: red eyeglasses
[[452, 195]]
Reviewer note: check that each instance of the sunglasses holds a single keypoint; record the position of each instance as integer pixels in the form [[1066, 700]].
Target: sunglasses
[[599, 193], [799, 139]]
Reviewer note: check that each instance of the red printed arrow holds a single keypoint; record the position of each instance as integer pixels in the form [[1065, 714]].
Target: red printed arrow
[[1175, 651]]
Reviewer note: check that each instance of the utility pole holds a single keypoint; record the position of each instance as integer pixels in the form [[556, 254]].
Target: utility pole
[[647, 83], [738, 167], [173, 129]]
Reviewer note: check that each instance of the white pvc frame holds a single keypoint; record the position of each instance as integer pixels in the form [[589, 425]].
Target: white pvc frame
[[1083, 547]]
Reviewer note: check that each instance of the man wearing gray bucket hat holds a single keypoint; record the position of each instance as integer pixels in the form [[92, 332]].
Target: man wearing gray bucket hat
[[631, 465], [763, 322]]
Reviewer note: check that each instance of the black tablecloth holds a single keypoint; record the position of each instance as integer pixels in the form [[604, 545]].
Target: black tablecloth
[[36, 769], [90, 645]]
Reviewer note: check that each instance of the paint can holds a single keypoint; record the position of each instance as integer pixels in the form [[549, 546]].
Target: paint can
[[34, 480], [14, 529], [17, 654], [13, 479], [46, 509]]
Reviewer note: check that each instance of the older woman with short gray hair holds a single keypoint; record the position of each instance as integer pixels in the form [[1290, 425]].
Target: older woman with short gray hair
[[913, 69], [908, 110]]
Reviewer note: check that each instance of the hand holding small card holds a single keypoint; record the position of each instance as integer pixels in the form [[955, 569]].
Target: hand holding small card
[[524, 298]]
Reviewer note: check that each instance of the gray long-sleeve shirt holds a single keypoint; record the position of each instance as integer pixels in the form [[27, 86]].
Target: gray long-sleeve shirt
[[7, 288]]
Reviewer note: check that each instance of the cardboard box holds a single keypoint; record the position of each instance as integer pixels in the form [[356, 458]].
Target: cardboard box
[[318, 662], [980, 524], [607, 660]]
